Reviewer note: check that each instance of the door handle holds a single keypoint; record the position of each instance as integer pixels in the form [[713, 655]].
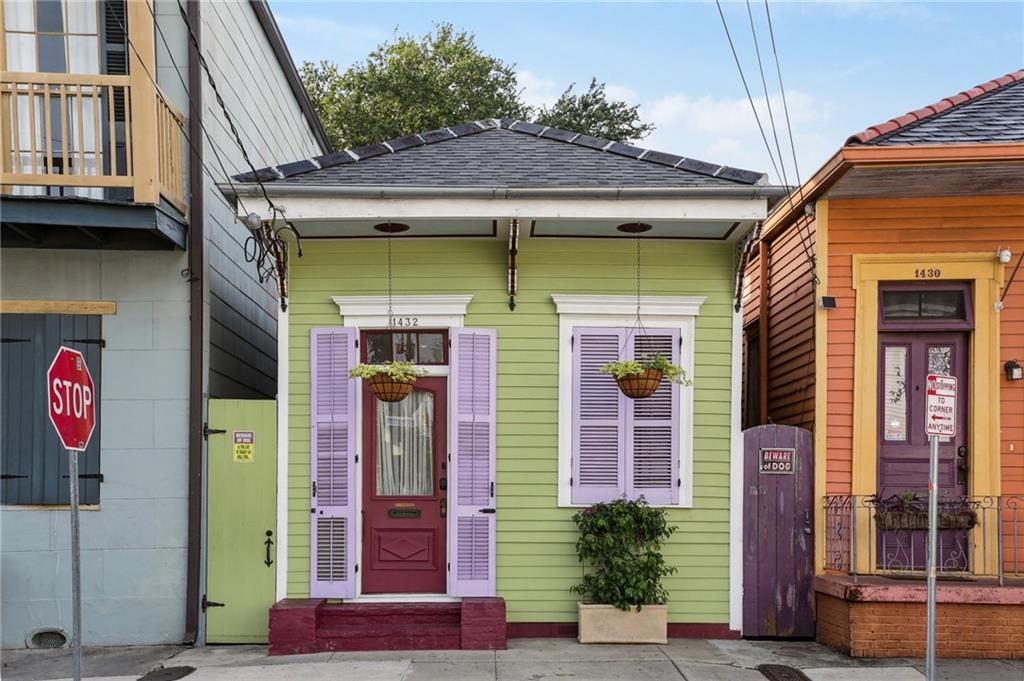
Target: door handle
[[444, 507], [443, 484], [268, 561]]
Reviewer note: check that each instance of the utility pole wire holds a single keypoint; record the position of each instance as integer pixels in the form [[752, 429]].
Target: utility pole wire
[[767, 98], [789, 129], [743, 78]]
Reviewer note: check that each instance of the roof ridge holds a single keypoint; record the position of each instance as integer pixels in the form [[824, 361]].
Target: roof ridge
[[393, 146], [928, 112]]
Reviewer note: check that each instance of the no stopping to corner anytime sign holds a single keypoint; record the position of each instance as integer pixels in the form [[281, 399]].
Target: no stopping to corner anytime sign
[[940, 406]]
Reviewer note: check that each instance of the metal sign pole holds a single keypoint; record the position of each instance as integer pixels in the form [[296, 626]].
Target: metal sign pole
[[76, 570], [933, 538]]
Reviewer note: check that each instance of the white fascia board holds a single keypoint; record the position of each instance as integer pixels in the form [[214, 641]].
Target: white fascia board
[[301, 208]]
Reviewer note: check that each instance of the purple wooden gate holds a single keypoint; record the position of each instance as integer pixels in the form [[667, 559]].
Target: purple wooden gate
[[778, 532]]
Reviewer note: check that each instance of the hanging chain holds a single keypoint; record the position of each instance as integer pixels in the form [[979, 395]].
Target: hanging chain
[[391, 311], [638, 322]]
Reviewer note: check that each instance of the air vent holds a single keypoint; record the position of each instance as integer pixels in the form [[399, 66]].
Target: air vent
[[48, 638]]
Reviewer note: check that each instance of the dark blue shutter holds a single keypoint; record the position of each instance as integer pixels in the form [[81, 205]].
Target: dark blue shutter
[[34, 467]]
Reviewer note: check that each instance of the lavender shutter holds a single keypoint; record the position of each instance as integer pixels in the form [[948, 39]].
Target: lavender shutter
[[332, 461], [599, 418], [653, 440], [473, 416]]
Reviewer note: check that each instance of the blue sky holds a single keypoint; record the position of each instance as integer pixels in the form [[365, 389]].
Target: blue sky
[[845, 65]]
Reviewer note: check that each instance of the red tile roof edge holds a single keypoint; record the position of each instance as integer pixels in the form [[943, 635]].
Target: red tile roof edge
[[932, 109]]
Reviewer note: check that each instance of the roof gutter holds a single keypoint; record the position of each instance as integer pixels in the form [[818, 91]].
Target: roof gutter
[[504, 193]]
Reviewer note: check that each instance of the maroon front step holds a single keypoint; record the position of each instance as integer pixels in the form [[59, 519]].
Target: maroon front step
[[312, 625]]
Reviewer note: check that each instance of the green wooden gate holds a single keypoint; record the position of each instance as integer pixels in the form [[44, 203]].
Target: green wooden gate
[[241, 520]]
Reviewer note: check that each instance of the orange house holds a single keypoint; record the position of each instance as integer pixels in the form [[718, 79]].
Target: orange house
[[902, 256]]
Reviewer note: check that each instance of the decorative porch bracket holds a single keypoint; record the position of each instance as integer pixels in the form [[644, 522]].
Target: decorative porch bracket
[[513, 273]]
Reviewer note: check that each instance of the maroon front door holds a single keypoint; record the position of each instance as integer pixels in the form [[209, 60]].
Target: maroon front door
[[905, 360], [404, 498]]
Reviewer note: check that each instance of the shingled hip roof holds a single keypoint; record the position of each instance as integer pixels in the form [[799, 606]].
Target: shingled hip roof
[[504, 154], [991, 112]]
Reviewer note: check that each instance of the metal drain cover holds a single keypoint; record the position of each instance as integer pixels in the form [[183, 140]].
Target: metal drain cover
[[167, 674], [781, 672]]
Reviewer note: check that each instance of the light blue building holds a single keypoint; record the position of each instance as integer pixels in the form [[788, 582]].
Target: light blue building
[[117, 242]]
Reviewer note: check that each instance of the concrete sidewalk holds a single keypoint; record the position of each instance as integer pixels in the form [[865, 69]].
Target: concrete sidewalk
[[525, 660]]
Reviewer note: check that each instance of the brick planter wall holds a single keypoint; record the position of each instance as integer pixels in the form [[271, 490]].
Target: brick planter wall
[[889, 621]]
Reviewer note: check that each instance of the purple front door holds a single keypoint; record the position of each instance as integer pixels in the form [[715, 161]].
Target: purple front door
[[905, 359]]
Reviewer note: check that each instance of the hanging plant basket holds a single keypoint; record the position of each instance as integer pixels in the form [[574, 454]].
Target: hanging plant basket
[[387, 389], [639, 386], [391, 381], [641, 378]]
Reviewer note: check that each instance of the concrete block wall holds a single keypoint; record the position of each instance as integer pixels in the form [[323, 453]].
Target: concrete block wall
[[134, 542]]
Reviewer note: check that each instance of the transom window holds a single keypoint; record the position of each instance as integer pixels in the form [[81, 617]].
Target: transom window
[[421, 347], [906, 305]]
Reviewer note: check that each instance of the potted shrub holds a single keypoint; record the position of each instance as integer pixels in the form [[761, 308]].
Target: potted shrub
[[391, 381], [640, 378], [622, 595]]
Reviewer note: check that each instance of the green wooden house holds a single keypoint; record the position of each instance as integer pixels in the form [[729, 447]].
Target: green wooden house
[[505, 258]]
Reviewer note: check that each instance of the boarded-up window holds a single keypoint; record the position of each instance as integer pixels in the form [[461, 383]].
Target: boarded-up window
[[34, 466]]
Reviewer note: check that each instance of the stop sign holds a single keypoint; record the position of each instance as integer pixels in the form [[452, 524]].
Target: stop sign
[[71, 398]]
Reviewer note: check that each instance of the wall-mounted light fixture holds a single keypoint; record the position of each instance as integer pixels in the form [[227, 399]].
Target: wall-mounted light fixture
[[1014, 371], [1003, 255], [828, 303]]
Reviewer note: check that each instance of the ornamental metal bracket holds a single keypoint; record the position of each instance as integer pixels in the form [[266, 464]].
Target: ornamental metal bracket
[[513, 273]]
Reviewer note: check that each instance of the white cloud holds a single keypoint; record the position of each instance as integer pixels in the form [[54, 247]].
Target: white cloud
[[724, 130], [537, 90], [622, 93]]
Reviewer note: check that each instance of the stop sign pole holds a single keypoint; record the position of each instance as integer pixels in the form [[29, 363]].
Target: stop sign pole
[[72, 408]]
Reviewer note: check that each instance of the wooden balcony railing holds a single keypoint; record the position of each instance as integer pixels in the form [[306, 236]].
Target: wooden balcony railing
[[77, 132]]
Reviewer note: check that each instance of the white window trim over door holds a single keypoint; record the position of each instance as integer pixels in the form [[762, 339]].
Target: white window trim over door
[[431, 312], [674, 312]]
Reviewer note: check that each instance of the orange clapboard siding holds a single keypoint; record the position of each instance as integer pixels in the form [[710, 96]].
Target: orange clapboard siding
[[921, 225]]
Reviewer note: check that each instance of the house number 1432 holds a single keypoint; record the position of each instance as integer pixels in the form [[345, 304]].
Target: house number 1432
[[928, 273], [405, 321]]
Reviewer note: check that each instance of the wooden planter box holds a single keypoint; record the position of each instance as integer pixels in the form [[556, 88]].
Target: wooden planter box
[[608, 624]]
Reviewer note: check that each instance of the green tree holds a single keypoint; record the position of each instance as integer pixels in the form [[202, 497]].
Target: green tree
[[411, 85], [593, 113], [442, 78]]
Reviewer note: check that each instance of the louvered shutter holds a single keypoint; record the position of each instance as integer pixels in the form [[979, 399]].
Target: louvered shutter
[[653, 440], [332, 462], [599, 418], [472, 501]]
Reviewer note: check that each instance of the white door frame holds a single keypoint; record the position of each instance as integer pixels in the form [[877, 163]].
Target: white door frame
[[429, 312]]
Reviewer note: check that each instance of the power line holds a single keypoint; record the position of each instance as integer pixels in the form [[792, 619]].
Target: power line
[[178, 123], [743, 78], [789, 129], [808, 253], [194, 109], [767, 98], [269, 240], [220, 101], [785, 106]]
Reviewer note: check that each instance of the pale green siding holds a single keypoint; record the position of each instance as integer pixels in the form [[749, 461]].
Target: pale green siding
[[536, 564]]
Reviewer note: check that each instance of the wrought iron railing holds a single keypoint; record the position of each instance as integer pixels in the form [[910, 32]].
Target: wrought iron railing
[[977, 536]]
